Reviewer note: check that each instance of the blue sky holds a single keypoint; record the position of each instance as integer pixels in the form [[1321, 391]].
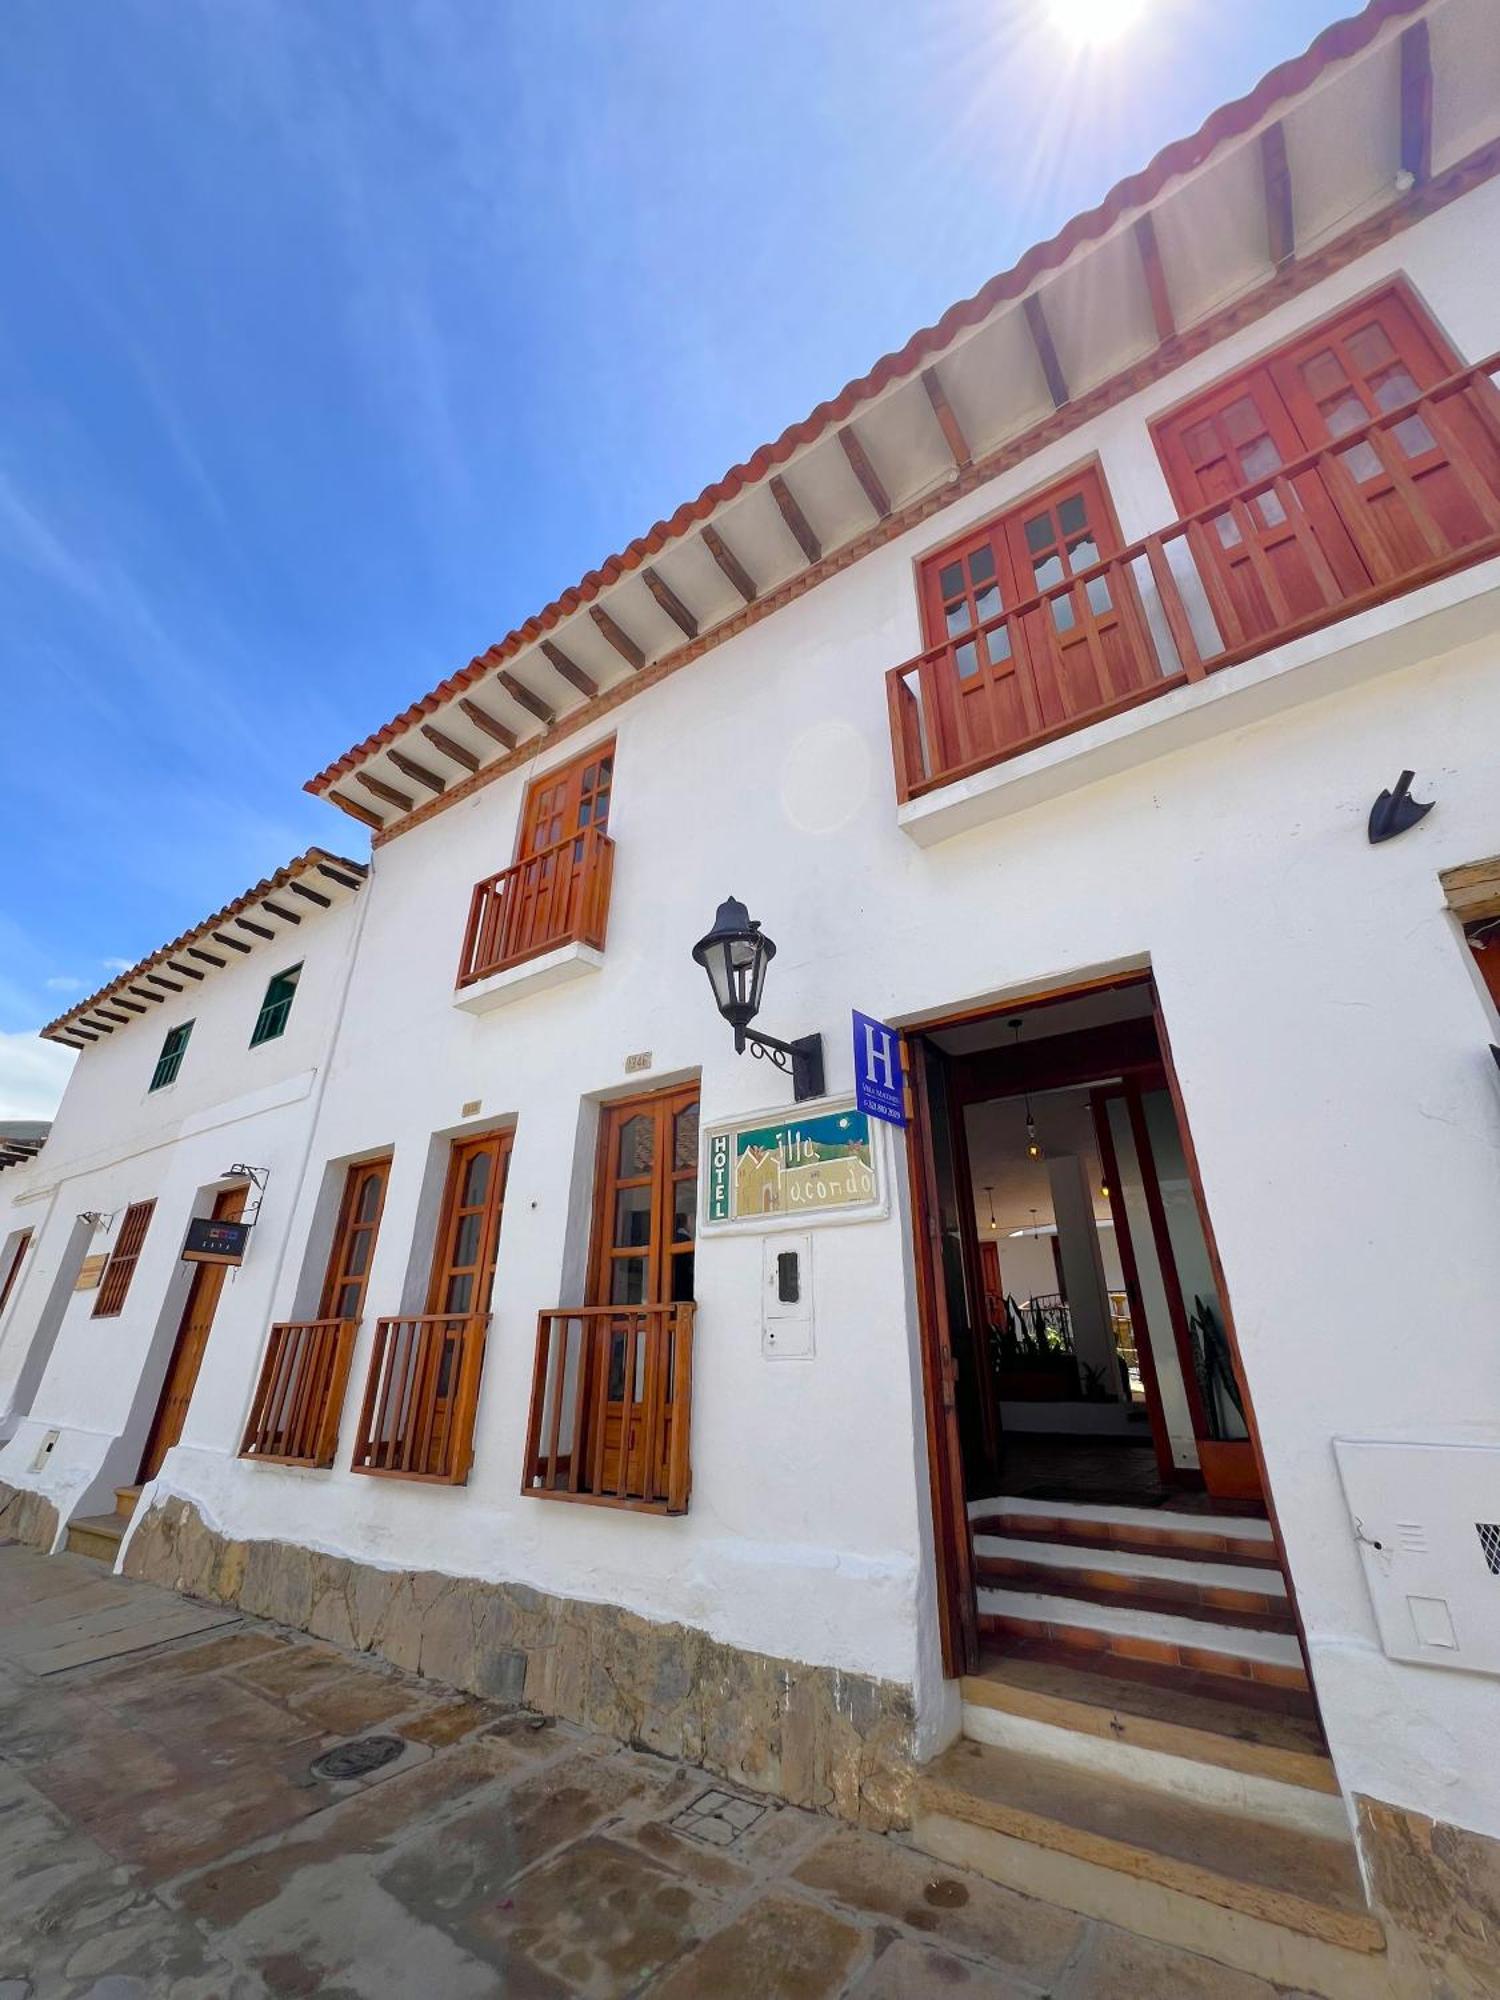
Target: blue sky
[[339, 335]]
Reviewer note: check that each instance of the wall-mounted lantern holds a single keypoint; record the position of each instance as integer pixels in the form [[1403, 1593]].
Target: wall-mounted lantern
[[735, 955]]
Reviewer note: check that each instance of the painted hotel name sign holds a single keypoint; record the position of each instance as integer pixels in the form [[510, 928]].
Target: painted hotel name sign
[[816, 1164]]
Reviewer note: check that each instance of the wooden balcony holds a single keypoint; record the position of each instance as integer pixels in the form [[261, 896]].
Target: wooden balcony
[[1394, 504], [294, 1419], [417, 1419], [611, 1407], [558, 896]]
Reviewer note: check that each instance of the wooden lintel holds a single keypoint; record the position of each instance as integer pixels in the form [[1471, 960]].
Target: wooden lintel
[[145, 993], [172, 985], [411, 769], [313, 895], [1046, 349], [948, 423], [1276, 174], [622, 642], [864, 472], [730, 563], [279, 910], [230, 943], [187, 971], [525, 698], [255, 929], [795, 519], [1416, 103], [483, 720], [208, 957], [570, 670], [670, 602], [402, 801], [355, 810], [337, 875], [445, 745], [1156, 278]]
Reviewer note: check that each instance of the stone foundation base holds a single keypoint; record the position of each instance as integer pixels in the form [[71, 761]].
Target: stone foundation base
[[27, 1517], [837, 1742], [1439, 1886]]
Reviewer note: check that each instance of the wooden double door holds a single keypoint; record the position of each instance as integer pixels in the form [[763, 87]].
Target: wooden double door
[[187, 1350], [1377, 512], [463, 1279], [645, 1230]]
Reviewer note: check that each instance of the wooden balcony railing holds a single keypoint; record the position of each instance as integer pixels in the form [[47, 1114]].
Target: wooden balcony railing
[[557, 896], [611, 1407], [294, 1419], [417, 1419], [1396, 503]]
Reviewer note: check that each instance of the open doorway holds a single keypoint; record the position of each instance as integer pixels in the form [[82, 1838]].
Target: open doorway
[[1091, 1433]]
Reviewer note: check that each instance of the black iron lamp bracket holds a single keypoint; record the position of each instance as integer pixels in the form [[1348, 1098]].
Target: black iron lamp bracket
[[1397, 811], [802, 1060]]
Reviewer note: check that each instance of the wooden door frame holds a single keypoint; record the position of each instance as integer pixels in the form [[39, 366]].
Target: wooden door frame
[[334, 1276], [459, 1150], [968, 1222], [1161, 1443], [224, 1200]]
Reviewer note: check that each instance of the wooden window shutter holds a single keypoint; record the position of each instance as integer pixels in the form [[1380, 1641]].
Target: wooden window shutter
[[120, 1269]]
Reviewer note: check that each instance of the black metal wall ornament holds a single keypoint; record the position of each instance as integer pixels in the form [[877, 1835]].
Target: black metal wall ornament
[[1397, 811]]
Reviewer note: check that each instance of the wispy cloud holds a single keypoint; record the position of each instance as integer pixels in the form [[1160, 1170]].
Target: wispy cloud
[[32, 1076], [63, 983], [117, 964]]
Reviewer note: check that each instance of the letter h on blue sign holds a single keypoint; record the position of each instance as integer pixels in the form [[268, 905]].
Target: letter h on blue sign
[[877, 1070]]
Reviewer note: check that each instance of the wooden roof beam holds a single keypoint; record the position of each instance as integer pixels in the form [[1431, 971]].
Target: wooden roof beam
[[864, 472], [446, 747], [278, 910], [120, 1020], [570, 670], [484, 721], [207, 957], [795, 519], [1276, 175], [355, 810], [411, 769], [1416, 103], [730, 563], [337, 875], [670, 602], [402, 801], [622, 642], [1046, 350], [948, 424], [1156, 278], [523, 697], [256, 930], [232, 944], [172, 985], [313, 895], [187, 971], [68, 1043], [133, 1006], [145, 993], [90, 1021]]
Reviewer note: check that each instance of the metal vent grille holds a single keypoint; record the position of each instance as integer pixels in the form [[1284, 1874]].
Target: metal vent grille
[[1489, 1540]]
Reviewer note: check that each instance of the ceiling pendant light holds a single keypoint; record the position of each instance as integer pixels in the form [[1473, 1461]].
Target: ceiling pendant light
[[1033, 1143], [991, 1194]]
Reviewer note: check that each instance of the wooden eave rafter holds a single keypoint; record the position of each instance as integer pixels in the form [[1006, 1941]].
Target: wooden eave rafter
[[669, 601], [1046, 349], [1416, 103], [445, 746], [356, 811], [238, 944], [622, 642], [132, 1006], [729, 562], [1276, 178], [524, 697], [1152, 270], [869, 480], [410, 768], [145, 993], [172, 985], [402, 801], [571, 672], [187, 971], [278, 910], [486, 724], [948, 424], [796, 520], [312, 895]]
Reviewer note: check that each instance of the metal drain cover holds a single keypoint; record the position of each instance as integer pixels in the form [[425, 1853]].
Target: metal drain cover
[[359, 1758]]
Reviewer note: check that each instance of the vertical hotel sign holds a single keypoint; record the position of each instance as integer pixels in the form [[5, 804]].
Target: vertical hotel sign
[[878, 1081], [720, 1183], [765, 1169]]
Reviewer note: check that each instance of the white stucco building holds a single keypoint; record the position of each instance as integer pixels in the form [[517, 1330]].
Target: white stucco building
[[1132, 1412]]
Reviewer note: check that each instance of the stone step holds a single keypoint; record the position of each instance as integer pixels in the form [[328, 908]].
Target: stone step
[[97, 1535], [1195, 1584], [1243, 1538], [125, 1499], [1281, 1902], [1165, 1637]]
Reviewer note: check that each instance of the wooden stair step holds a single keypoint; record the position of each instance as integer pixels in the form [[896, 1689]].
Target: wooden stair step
[[96, 1535], [1257, 1615], [125, 1499], [1306, 1883], [1141, 1530], [1166, 1637]]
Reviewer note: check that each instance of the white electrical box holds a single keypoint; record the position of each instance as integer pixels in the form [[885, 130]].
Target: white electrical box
[[786, 1298], [1426, 1518]]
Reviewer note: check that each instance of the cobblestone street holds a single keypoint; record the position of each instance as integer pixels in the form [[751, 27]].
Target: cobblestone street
[[172, 1823]]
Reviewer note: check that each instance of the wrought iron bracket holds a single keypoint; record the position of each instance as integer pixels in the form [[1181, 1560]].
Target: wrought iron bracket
[[1396, 811], [802, 1060]]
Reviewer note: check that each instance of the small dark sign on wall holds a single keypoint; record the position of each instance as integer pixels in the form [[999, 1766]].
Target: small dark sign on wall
[[210, 1242]]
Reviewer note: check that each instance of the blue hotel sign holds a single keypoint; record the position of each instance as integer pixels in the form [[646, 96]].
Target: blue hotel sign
[[877, 1070]]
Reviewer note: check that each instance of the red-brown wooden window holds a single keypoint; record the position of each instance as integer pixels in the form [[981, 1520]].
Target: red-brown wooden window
[[13, 1269], [1066, 656], [422, 1391], [120, 1269], [1391, 503], [353, 1247], [567, 801]]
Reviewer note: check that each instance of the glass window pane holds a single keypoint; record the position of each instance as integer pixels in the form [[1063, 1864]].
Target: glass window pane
[[1063, 615], [1270, 509], [346, 1301], [1083, 555], [632, 1218], [627, 1281], [616, 1392], [1362, 461], [957, 616], [682, 1277], [1346, 415], [1048, 571], [1228, 530], [967, 660], [685, 1138], [1039, 534], [359, 1253], [369, 1198], [476, 1181], [1413, 437], [1260, 459], [637, 1146], [982, 565], [685, 1211], [1098, 595], [458, 1292], [951, 580], [1324, 373], [987, 604], [1201, 442], [1073, 514], [1242, 420], [1394, 388], [465, 1243], [1370, 347], [998, 643]]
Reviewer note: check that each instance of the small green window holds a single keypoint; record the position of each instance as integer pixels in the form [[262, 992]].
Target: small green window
[[271, 1021], [170, 1060]]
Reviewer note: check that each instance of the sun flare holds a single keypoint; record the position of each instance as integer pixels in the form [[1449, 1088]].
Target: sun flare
[[1091, 23]]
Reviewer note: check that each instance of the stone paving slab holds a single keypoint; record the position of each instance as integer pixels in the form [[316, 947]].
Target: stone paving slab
[[165, 1835], [94, 1617]]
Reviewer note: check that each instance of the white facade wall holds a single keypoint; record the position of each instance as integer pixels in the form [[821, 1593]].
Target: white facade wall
[[77, 1394], [1327, 1026]]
